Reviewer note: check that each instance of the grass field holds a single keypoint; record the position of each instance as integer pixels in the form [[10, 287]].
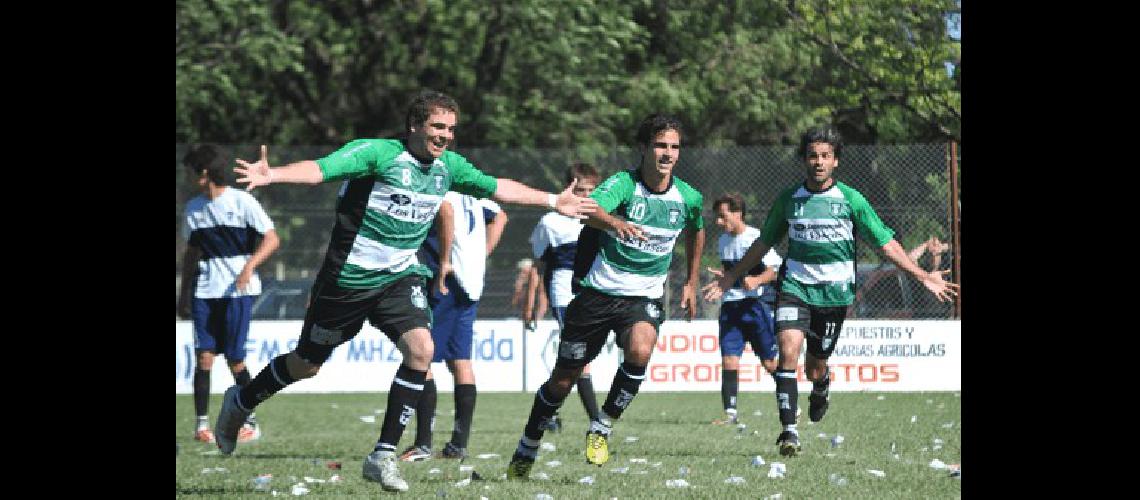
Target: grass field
[[302, 432]]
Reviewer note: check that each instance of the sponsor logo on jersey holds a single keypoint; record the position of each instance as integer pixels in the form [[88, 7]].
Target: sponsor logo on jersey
[[400, 198], [438, 182], [674, 215]]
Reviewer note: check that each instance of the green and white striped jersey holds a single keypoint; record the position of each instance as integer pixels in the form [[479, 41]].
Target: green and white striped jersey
[[386, 206], [631, 267], [820, 265]]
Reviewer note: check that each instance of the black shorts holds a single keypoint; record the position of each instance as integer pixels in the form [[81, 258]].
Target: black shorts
[[337, 314], [821, 325], [590, 318]]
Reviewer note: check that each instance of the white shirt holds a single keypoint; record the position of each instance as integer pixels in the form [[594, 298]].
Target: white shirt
[[469, 246], [554, 241], [732, 248], [224, 229]]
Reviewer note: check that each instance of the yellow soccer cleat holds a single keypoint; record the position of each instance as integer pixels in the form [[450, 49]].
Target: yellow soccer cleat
[[597, 448]]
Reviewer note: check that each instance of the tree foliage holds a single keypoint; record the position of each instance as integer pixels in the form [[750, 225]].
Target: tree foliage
[[566, 74]]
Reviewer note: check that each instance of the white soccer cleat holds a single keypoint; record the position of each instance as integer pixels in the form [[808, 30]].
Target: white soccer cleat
[[380, 466], [249, 432], [230, 420]]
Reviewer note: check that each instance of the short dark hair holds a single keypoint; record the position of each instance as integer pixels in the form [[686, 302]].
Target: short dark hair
[[734, 201], [826, 134], [209, 157], [581, 171], [654, 124], [424, 102]]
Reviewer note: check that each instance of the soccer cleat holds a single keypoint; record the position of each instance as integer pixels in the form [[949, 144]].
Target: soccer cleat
[[554, 424], [729, 418], [230, 420], [415, 454], [520, 465], [204, 435], [249, 432], [817, 406], [452, 451], [789, 443], [597, 448], [380, 466]]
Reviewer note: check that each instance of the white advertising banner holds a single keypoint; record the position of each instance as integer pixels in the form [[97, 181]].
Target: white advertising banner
[[875, 355], [367, 363]]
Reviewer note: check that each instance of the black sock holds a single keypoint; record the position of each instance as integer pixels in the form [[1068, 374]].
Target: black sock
[[403, 397], [271, 379], [464, 409], [729, 385], [425, 415], [545, 405], [626, 382], [201, 392], [820, 387], [586, 392], [242, 378], [787, 396]]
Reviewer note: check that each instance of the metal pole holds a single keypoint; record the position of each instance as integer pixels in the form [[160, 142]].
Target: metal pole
[[954, 227]]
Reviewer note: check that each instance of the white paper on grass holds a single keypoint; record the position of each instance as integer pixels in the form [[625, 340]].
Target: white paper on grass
[[487, 455], [631, 439], [553, 463], [734, 480], [463, 483], [677, 483], [639, 460], [299, 489], [620, 470], [876, 473], [937, 464], [776, 469], [368, 419], [434, 471], [466, 468], [586, 480], [547, 446], [541, 476]]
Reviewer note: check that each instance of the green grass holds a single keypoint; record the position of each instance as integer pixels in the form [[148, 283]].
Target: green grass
[[673, 429]]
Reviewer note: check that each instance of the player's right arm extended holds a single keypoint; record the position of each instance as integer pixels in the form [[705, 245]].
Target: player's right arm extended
[[259, 173]]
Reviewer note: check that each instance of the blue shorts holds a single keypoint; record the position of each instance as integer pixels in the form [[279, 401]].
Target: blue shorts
[[453, 322], [221, 325], [748, 320]]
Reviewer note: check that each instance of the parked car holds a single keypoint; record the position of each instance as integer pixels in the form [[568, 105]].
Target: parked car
[[282, 299], [883, 291]]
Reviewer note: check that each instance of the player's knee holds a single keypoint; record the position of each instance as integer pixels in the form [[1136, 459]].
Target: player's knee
[[420, 348], [205, 361], [639, 354], [815, 372], [299, 368], [730, 363]]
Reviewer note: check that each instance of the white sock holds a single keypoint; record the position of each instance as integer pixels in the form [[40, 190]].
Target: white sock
[[792, 428]]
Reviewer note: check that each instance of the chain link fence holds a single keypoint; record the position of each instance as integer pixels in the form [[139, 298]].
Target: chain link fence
[[908, 186]]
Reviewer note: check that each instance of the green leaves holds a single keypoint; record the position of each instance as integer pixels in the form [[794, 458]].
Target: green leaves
[[562, 74]]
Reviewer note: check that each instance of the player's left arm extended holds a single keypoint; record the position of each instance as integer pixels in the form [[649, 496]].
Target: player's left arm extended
[[694, 247], [932, 280]]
